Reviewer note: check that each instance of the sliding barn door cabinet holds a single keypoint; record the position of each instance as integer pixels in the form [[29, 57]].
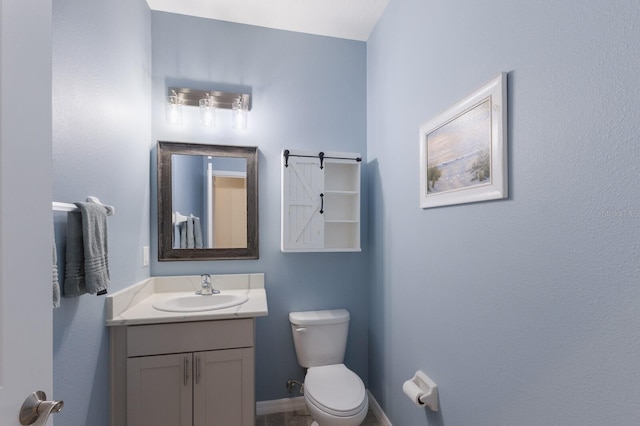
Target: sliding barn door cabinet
[[320, 201]]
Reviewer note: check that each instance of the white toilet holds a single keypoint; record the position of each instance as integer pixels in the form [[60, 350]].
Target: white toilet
[[334, 395]]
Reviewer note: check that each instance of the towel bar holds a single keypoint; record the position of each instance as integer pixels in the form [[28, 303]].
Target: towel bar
[[69, 207]]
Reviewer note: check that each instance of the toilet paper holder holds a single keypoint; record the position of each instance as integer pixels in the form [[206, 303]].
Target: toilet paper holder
[[422, 390]]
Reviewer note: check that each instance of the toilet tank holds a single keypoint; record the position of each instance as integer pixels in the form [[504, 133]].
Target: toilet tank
[[320, 337]]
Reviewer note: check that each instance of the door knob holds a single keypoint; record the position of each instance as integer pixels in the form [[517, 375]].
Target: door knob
[[36, 406]]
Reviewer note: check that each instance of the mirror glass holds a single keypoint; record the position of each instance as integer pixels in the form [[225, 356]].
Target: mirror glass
[[207, 202]]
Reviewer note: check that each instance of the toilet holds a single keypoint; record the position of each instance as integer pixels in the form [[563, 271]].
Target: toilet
[[333, 394]]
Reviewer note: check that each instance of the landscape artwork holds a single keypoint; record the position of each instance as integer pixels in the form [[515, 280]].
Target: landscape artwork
[[459, 152], [463, 150]]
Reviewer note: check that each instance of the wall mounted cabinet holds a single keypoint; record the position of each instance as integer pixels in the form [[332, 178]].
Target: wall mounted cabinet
[[320, 201]]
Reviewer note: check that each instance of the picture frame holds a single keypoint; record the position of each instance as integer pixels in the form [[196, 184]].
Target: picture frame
[[463, 150]]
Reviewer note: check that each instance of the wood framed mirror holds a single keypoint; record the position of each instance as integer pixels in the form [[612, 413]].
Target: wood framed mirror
[[207, 201]]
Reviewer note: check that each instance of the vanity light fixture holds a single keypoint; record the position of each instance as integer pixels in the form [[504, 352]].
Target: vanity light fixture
[[208, 102], [173, 109]]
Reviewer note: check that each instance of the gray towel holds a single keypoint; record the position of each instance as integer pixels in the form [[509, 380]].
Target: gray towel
[[176, 236], [183, 235], [74, 284], [56, 284], [87, 269], [191, 233], [96, 260], [197, 232], [191, 241]]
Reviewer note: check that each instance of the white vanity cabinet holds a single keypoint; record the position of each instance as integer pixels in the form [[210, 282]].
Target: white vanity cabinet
[[320, 201], [187, 374]]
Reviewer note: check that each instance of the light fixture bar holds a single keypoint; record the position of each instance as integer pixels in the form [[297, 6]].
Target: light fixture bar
[[191, 97]]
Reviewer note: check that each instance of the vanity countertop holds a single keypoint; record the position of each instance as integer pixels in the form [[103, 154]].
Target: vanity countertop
[[134, 305]]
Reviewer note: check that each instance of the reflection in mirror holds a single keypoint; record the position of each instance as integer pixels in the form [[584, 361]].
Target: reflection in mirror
[[207, 202], [212, 195]]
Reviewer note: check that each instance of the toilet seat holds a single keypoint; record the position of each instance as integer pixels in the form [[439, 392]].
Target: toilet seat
[[335, 390]]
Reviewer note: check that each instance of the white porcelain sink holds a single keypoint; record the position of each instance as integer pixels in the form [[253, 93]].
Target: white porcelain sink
[[196, 303]]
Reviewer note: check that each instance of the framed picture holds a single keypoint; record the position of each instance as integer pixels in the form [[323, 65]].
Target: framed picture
[[463, 151]]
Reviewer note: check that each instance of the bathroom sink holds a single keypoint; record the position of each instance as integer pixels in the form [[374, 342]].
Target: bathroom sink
[[197, 303]]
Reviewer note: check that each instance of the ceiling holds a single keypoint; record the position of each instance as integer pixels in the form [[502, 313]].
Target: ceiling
[[349, 19]]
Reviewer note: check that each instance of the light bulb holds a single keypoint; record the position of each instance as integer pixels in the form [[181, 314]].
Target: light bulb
[[240, 114], [173, 110], [207, 113]]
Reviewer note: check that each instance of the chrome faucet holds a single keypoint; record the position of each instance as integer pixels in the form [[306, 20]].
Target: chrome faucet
[[207, 290]]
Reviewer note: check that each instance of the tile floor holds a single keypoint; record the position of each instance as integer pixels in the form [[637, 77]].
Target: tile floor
[[302, 418]]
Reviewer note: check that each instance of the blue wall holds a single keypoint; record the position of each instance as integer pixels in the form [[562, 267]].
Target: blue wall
[[188, 172], [101, 141], [308, 92], [525, 310]]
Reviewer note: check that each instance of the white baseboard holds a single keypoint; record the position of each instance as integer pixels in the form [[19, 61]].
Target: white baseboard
[[280, 405], [297, 403], [377, 410]]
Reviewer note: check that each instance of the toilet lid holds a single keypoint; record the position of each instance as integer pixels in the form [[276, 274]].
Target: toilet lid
[[335, 389]]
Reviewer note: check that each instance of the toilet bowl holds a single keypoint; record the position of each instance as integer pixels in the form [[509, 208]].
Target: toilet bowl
[[333, 394]]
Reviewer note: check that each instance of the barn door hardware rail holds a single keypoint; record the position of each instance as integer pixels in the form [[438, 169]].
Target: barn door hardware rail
[[320, 155]]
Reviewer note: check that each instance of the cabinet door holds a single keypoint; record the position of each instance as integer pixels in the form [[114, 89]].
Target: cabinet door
[[160, 390], [302, 222], [224, 388]]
